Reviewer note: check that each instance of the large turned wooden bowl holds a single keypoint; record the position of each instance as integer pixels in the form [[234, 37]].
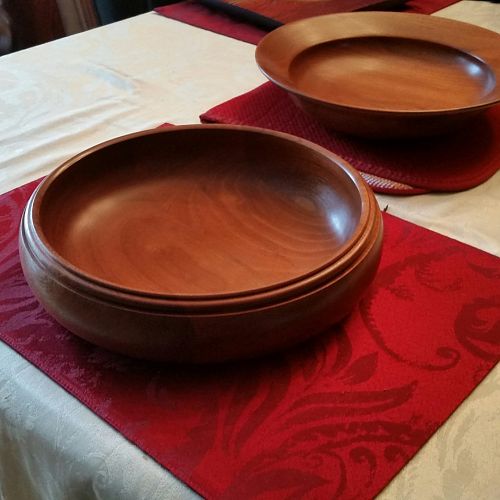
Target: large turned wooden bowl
[[201, 243], [385, 74]]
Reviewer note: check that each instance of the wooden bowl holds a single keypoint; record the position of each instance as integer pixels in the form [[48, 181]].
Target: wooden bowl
[[200, 243], [385, 74]]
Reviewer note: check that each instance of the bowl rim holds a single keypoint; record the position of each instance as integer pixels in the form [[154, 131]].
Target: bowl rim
[[398, 22], [34, 238]]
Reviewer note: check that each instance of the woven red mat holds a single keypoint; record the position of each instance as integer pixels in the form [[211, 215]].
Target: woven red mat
[[448, 163], [336, 417]]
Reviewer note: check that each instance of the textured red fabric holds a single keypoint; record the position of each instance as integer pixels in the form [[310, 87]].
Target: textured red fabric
[[336, 417], [200, 16], [427, 6], [449, 163]]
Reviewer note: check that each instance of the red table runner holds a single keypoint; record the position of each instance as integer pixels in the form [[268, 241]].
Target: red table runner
[[203, 17], [448, 163], [336, 417]]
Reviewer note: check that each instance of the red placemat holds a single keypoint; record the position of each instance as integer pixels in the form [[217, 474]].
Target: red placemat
[[449, 163], [336, 417], [201, 16]]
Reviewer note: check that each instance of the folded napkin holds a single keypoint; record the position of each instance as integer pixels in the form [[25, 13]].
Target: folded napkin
[[336, 417], [448, 163]]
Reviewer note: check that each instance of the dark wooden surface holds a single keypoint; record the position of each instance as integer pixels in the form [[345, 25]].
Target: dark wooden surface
[[5, 32], [33, 22]]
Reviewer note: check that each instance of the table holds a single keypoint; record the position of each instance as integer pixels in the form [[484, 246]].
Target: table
[[62, 97]]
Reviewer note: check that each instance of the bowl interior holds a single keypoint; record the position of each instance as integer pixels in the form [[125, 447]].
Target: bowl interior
[[200, 211], [381, 73]]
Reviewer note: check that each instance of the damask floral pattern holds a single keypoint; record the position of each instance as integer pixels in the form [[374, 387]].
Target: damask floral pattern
[[338, 416]]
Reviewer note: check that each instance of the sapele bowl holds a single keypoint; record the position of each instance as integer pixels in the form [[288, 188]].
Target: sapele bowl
[[385, 74], [200, 243]]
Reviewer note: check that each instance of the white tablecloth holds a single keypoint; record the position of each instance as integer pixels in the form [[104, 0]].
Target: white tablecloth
[[61, 97]]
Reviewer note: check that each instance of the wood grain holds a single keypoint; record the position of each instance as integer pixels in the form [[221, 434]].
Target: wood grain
[[393, 74], [218, 213]]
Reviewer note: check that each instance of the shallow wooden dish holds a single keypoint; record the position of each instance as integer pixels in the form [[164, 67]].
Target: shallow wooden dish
[[200, 243], [384, 74]]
